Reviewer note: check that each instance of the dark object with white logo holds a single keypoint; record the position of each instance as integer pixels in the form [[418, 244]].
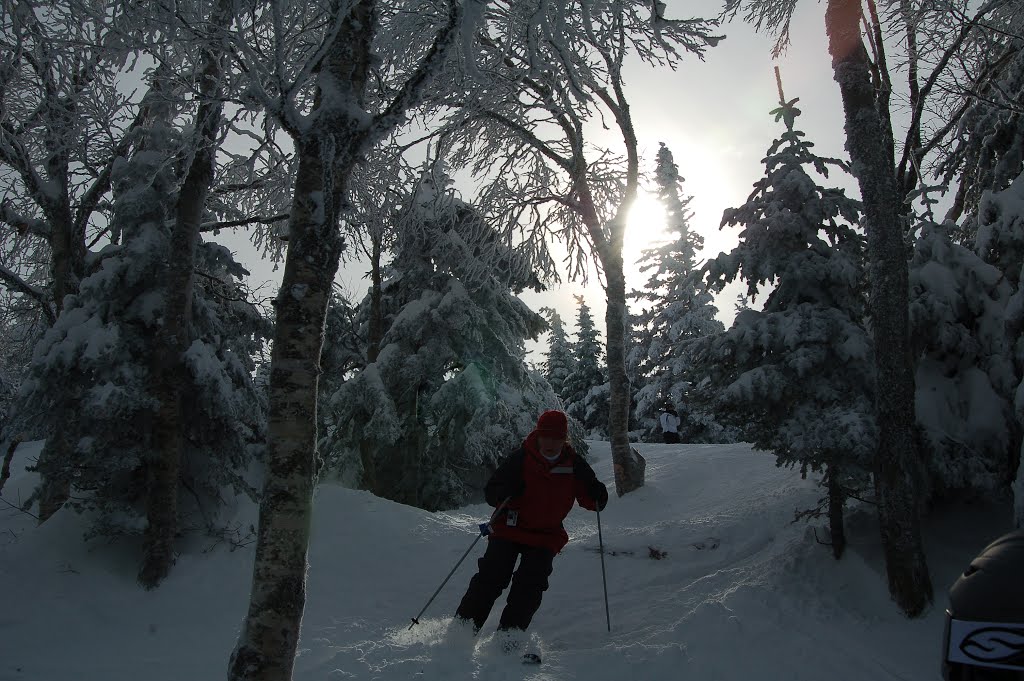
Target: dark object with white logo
[[984, 637]]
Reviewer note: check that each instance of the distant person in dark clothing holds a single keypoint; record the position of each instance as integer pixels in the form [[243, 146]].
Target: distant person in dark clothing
[[670, 425], [538, 485]]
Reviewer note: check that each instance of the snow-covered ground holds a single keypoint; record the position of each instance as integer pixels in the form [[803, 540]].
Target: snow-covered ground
[[739, 593]]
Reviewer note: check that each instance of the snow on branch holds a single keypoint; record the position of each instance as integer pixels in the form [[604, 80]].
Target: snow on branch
[[413, 89], [22, 223], [19, 285]]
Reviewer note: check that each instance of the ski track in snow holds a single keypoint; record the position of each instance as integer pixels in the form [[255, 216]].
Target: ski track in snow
[[740, 591]]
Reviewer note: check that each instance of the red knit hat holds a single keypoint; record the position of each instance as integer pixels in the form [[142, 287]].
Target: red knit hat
[[553, 423]]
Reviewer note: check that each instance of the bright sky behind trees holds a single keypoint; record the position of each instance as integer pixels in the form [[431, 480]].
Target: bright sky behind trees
[[714, 116]]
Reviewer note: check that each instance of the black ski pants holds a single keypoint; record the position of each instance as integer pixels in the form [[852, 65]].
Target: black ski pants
[[529, 583]]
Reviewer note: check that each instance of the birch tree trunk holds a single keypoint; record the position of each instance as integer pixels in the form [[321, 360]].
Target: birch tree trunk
[[266, 647], [898, 468], [629, 475], [169, 375], [327, 154]]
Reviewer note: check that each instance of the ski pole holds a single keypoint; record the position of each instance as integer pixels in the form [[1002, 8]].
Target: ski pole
[[604, 580], [485, 529]]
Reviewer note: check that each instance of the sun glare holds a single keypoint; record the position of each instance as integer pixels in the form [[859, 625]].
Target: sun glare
[[645, 225]]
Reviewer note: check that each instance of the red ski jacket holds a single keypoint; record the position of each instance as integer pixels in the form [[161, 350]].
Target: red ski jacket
[[542, 494]]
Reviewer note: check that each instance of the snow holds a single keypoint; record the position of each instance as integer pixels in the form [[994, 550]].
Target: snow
[[742, 592]]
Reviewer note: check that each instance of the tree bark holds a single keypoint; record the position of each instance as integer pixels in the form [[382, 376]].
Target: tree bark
[[836, 502], [5, 468], [174, 336], [629, 475], [269, 638], [54, 467], [67, 266], [898, 467], [337, 139], [266, 648], [376, 324]]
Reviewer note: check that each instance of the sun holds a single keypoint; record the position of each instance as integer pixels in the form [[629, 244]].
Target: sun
[[645, 225]]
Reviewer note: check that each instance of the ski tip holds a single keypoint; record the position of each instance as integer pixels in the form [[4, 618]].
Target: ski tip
[[531, 658]]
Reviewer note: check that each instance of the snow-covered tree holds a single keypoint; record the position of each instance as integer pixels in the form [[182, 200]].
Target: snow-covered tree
[[965, 376], [521, 116], [21, 327], [64, 70], [321, 89], [989, 139], [584, 396], [742, 302], [931, 40], [796, 376], [1000, 242], [559, 363], [450, 392], [90, 389], [676, 307]]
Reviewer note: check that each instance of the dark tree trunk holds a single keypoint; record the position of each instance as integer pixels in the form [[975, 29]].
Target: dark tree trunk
[[836, 501], [67, 267], [376, 322], [169, 374], [5, 469], [898, 466], [54, 472]]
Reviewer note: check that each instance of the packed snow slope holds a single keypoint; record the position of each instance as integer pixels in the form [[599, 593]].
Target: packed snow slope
[[708, 578]]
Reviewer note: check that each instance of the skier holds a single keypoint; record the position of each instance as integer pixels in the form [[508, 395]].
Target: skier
[[984, 636], [670, 425], [540, 480]]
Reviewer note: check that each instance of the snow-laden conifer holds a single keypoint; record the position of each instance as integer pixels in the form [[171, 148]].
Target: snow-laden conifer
[[796, 376], [522, 115], [586, 400], [89, 386], [450, 392], [1000, 242], [559, 363], [676, 307], [964, 376]]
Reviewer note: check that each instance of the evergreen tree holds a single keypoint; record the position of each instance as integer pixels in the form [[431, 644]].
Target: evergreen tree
[[1000, 242], [586, 398], [21, 328], [676, 307], [559, 362], [450, 392], [89, 389], [742, 302], [796, 376], [965, 376]]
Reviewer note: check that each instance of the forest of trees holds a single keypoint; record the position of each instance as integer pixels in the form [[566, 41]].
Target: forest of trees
[[877, 344]]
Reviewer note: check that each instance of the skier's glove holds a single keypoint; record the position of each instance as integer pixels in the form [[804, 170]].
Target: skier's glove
[[599, 493]]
